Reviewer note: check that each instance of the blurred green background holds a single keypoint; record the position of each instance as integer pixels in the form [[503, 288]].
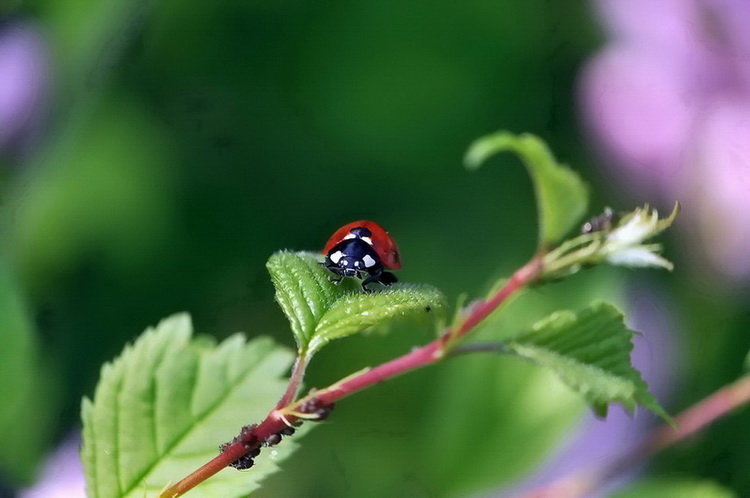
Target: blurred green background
[[189, 140]]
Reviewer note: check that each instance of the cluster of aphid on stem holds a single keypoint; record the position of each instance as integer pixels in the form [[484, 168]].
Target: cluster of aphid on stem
[[312, 409]]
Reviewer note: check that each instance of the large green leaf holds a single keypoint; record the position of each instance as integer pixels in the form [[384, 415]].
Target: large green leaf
[[162, 408], [561, 195], [320, 311], [590, 352]]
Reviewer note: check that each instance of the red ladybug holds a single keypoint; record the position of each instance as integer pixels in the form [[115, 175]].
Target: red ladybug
[[362, 248]]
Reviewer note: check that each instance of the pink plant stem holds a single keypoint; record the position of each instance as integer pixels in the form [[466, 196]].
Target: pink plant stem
[[702, 414], [272, 424], [417, 358], [298, 372], [689, 422], [436, 350]]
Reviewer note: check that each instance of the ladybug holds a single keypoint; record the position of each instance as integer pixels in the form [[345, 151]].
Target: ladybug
[[362, 248]]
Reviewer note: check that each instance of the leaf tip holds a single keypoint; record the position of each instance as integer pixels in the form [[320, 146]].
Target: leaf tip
[[484, 147]]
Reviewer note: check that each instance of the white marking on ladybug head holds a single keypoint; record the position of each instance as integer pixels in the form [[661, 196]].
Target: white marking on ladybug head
[[335, 257], [367, 239], [369, 261], [349, 236], [357, 264]]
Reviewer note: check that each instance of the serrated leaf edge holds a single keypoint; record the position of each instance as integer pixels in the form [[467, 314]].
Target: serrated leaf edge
[[110, 368]]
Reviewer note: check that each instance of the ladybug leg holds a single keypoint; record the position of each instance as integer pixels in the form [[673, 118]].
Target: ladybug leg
[[375, 275], [387, 278], [381, 277], [369, 280], [335, 280]]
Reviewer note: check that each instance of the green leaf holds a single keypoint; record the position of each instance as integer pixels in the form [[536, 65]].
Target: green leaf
[[676, 487], [163, 407], [561, 195], [320, 311], [590, 352], [303, 290], [358, 311]]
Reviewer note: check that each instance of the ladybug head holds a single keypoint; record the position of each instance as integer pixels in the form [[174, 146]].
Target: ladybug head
[[351, 257], [348, 266]]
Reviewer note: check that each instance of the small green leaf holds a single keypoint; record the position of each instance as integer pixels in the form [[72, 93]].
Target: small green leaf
[[320, 311], [358, 311], [676, 487], [590, 352], [303, 290], [162, 408], [561, 195]]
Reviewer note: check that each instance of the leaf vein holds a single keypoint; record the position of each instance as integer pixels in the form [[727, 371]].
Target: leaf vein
[[197, 421]]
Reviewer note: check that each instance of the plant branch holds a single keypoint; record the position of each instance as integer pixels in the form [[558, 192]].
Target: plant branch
[[437, 349], [252, 437], [480, 347], [298, 373], [702, 414], [689, 422]]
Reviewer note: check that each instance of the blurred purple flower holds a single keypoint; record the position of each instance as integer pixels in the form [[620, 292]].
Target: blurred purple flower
[[62, 475], [24, 74], [668, 100], [595, 441]]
